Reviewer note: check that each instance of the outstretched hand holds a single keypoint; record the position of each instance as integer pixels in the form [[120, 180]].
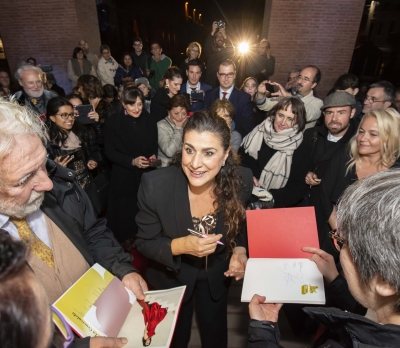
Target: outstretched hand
[[325, 263], [282, 92], [259, 310], [135, 283]]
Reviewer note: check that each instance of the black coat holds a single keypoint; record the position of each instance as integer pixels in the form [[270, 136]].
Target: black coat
[[126, 138], [158, 107], [343, 330], [68, 206], [165, 215]]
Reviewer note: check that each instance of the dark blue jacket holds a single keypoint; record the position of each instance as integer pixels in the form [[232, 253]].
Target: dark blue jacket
[[133, 72], [241, 101], [197, 106]]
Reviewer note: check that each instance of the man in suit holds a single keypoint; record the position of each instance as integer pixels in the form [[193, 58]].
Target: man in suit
[[193, 84], [244, 118], [42, 205]]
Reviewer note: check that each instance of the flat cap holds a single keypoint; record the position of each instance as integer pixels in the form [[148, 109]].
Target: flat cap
[[339, 98]]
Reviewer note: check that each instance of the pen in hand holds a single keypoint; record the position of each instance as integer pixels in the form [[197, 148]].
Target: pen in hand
[[201, 235]]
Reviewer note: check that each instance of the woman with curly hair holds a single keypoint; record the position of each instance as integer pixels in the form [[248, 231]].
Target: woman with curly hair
[[205, 190]]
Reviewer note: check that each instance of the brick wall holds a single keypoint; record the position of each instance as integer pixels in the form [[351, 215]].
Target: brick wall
[[48, 30], [318, 32]]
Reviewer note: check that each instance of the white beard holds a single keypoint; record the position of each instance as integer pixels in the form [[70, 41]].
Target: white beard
[[11, 208]]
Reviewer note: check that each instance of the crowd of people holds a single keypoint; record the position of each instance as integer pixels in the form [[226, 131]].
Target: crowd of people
[[143, 150]]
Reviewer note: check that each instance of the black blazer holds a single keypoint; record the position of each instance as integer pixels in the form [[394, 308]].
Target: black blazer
[[164, 214], [241, 101]]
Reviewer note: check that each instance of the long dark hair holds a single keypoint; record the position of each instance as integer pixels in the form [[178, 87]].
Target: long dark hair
[[76, 51], [122, 60], [170, 74], [91, 86], [20, 322], [228, 182], [57, 135]]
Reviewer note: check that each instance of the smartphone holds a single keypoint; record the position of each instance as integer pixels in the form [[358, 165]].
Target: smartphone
[[317, 180], [197, 96], [83, 111], [154, 162], [71, 155], [46, 67]]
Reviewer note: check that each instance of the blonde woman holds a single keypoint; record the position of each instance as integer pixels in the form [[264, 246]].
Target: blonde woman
[[193, 52], [374, 148]]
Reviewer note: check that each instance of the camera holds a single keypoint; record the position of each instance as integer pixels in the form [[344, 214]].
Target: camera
[[221, 24]]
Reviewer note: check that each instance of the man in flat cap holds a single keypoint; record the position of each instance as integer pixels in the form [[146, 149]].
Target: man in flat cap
[[319, 145]]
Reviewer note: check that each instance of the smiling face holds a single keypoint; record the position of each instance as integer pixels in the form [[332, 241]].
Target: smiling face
[[194, 52], [65, 118], [24, 177], [156, 50], [178, 114], [106, 54], [368, 140], [31, 82], [250, 87], [226, 76], [134, 110], [174, 85], [4, 79], [219, 40], [305, 80], [284, 119], [202, 158], [144, 89]]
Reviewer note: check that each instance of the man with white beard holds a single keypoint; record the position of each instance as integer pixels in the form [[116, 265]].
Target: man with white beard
[[42, 205], [33, 94]]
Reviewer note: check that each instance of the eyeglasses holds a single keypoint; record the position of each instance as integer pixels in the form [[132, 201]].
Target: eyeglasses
[[228, 75], [65, 116], [372, 100], [337, 241], [306, 79], [63, 337], [137, 44]]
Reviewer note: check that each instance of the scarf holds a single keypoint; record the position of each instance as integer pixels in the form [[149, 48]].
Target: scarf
[[87, 67], [276, 172]]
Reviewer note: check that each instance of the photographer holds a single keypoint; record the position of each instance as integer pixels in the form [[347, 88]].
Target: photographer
[[218, 47]]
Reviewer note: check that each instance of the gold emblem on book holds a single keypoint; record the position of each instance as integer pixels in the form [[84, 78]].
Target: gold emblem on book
[[313, 289], [304, 289]]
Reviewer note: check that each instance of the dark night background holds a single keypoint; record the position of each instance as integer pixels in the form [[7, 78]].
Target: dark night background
[[165, 21]]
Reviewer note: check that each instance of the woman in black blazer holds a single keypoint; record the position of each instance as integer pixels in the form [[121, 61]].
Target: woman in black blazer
[[203, 189]]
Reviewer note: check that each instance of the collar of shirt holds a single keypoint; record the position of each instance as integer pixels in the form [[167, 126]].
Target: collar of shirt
[[333, 139], [109, 60], [228, 92], [36, 222], [189, 88]]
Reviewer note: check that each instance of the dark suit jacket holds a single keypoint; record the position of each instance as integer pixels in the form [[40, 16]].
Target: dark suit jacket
[[241, 101], [197, 106], [164, 214]]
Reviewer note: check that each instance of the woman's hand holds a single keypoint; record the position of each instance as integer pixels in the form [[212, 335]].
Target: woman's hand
[[64, 162], [325, 263], [259, 310], [140, 162], [237, 264], [194, 245], [94, 116], [256, 182], [92, 164], [312, 179]]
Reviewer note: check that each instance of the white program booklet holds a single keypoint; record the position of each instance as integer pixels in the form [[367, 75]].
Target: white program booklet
[[283, 281]]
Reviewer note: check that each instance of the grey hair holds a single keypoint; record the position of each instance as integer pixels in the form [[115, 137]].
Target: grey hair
[[18, 120], [368, 217], [291, 71], [27, 67]]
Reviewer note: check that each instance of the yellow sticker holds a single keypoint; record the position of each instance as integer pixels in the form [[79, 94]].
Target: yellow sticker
[[304, 289]]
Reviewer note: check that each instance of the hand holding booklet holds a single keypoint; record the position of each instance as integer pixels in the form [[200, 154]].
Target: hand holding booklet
[[277, 268], [98, 304]]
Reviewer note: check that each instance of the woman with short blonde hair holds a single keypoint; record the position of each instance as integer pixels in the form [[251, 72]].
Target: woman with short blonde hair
[[193, 52]]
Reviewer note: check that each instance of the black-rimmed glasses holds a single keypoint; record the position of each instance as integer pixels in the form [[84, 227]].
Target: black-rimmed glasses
[[65, 116], [337, 241]]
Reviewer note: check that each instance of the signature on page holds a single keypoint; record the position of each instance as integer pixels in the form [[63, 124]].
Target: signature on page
[[292, 272]]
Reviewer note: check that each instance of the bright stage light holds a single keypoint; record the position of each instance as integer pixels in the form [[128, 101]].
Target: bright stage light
[[243, 47]]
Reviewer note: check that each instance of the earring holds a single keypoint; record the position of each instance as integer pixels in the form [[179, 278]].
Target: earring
[[166, 86], [125, 112], [223, 164]]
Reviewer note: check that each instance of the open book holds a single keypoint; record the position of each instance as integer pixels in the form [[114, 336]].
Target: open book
[[277, 268], [98, 304]]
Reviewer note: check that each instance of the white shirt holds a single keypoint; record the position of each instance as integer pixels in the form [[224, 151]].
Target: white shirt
[[189, 88], [36, 222], [333, 138], [228, 92]]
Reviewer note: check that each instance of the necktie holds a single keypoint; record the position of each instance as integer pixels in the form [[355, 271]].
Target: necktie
[[31, 240], [224, 95], [193, 89]]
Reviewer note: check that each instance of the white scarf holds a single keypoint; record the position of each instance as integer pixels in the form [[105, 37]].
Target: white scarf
[[276, 172]]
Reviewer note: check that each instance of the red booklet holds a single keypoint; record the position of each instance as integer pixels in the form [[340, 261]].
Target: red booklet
[[280, 233]]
